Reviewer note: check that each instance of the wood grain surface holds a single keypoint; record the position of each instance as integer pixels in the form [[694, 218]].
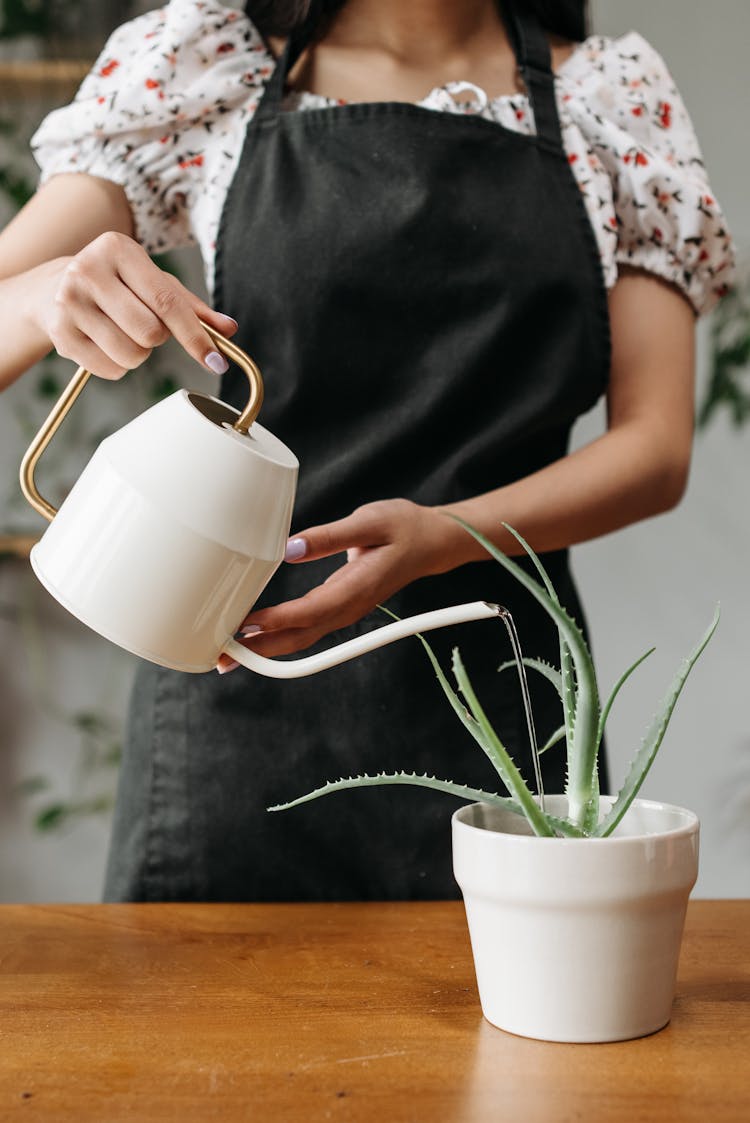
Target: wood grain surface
[[352, 1012]]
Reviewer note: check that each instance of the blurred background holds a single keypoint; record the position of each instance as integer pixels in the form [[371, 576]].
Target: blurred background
[[63, 691]]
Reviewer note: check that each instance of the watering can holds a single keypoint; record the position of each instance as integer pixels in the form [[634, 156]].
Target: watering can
[[176, 525]]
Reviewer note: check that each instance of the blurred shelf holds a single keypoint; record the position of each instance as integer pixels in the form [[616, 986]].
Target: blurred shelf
[[16, 545], [41, 76]]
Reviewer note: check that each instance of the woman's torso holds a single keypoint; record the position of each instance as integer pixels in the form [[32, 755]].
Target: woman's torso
[[415, 342], [165, 109]]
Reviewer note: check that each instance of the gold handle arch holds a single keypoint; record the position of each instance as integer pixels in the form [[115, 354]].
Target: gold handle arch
[[71, 392]]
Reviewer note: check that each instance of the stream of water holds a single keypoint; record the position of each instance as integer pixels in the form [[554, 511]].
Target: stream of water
[[510, 626]]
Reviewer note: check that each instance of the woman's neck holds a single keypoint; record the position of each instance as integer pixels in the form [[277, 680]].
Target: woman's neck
[[399, 50], [420, 31]]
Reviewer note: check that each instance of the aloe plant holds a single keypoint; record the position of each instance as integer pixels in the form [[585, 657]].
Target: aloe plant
[[584, 720]]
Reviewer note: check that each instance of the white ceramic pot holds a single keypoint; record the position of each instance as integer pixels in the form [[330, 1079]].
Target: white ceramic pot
[[576, 939]]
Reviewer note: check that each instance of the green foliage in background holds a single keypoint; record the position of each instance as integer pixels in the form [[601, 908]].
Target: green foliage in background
[[24, 17], [89, 789], [91, 782], [729, 383]]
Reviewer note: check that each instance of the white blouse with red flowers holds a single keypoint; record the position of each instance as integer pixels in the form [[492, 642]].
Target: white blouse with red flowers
[[164, 111]]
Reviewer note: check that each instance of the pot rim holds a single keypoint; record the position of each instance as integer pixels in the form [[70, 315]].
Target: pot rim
[[684, 831]]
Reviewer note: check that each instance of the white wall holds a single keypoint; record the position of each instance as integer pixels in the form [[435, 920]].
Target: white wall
[[656, 583]]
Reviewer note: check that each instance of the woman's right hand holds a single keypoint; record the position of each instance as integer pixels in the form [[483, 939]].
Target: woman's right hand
[[107, 307]]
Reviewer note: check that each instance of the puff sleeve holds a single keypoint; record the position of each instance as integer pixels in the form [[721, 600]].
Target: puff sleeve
[[654, 199], [153, 113]]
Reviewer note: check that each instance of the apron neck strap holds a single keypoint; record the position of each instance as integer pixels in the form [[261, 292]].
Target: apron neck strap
[[534, 60], [529, 43], [299, 39]]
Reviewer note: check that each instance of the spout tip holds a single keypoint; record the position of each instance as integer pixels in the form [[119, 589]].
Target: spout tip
[[497, 609]]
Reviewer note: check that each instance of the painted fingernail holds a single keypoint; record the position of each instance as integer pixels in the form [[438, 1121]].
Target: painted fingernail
[[250, 630], [216, 362], [296, 548], [224, 668], [230, 318]]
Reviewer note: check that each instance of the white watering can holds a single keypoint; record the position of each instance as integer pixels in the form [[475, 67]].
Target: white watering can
[[175, 527]]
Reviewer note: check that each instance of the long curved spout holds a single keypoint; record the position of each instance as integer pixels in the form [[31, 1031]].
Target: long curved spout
[[360, 645]]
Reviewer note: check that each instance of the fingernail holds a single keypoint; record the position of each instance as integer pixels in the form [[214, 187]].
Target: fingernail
[[296, 548], [250, 630], [231, 318], [216, 362], [224, 668]]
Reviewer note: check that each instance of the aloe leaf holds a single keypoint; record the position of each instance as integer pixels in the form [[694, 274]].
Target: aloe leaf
[[564, 826], [474, 795], [466, 719], [583, 746], [616, 690], [552, 675], [567, 678], [568, 693], [456, 703], [460, 709], [549, 672], [510, 775], [569, 697], [557, 736], [486, 738], [650, 744]]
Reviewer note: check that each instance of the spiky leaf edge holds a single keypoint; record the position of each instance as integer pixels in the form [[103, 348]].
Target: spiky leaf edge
[[644, 758], [495, 750], [474, 795], [582, 788], [616, 690], [557, 736], [490, 743], [512, 779], [545, 669], [568, 695]]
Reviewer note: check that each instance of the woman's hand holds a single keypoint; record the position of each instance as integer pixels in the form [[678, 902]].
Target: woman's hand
[[388, 544], [638, 468], [109, 305], [73, 277]]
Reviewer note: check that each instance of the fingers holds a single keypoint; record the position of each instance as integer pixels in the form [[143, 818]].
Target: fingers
[[113, 305], [368, 526], [328, 607], [349, 594], [344, 598], [388, 544], [82, 350], [178, 309], [118, 351]]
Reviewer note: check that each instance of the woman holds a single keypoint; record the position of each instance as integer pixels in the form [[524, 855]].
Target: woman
[[440, 254]]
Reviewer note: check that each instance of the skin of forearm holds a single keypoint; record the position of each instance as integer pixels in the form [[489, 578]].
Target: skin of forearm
[[63, 216], [618, 479], [637, 469], [24, 341]]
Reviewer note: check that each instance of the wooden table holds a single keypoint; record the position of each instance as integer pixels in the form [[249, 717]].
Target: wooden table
[[354, 1012]]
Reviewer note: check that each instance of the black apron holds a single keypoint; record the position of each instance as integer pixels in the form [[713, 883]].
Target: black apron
[[423, 293]]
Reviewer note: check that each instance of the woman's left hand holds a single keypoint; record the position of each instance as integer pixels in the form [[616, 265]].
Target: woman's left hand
[[388, 544], [636, 469]]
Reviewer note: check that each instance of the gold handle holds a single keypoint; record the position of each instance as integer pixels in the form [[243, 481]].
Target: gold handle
[[65, 402]]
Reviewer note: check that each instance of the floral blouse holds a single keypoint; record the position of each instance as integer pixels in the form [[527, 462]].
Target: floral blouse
[[164, 111]]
